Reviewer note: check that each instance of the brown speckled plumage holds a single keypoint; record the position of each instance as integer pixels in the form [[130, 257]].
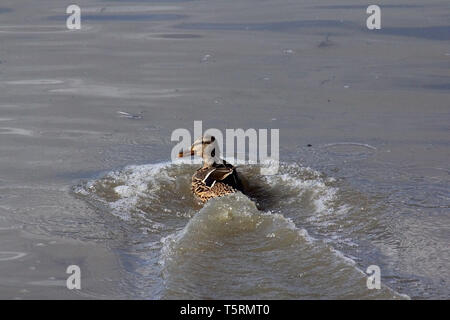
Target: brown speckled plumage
[[215, 181], [216, 177]]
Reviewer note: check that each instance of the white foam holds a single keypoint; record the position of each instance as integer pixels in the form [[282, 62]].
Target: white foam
[[136, 183], [168, 244], [123, 191], [131, 185], [322, 195], [142, 181]]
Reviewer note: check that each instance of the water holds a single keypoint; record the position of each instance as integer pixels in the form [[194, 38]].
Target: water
[[85, 124], [233, 247]]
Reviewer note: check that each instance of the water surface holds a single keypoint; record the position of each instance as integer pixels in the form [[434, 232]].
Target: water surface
[[85, 124]]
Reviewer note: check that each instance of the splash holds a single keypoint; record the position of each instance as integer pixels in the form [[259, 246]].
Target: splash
[[235, 246]]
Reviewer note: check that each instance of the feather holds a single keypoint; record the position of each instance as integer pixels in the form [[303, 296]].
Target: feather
[[216, 174], [216, 178]]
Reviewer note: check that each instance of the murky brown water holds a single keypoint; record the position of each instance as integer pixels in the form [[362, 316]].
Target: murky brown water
[[85, 124]]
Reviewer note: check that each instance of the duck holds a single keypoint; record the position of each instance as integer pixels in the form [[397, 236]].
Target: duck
[[216, 177]]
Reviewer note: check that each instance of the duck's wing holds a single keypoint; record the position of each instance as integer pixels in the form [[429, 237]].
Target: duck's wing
[[217, 174]]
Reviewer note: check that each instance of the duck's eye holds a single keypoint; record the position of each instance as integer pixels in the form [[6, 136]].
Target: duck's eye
[[213, 138]]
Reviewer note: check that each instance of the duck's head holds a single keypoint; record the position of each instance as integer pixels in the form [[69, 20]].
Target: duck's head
[[205, 147]]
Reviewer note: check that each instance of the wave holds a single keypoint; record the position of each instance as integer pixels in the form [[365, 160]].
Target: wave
[[236, 246]]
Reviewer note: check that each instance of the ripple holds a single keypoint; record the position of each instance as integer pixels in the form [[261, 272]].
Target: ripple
[[127, 9], [49, 283], [440, 33], [277, 26], [350, 149], [18, 131], [39, 29], [125, 17], [178, 36], [363, 7], [351, 144], [11, 255], [35, 82]]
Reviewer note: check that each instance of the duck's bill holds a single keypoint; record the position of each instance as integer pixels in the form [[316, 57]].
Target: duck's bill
[[185, 153]]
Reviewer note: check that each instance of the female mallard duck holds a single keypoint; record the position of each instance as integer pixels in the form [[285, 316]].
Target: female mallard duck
[[216, 177]]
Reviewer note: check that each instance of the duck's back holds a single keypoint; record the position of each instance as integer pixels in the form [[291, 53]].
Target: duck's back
[[215, 181]]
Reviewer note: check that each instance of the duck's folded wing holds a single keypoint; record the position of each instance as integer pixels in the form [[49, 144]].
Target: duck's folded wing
[[217, 174]]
